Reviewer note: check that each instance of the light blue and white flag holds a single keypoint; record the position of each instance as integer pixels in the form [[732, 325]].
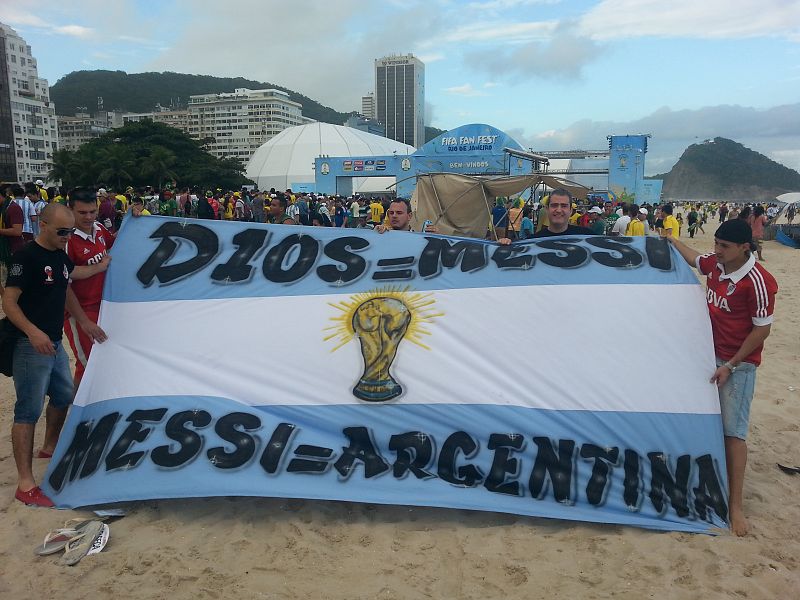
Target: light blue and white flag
[[562, 377]]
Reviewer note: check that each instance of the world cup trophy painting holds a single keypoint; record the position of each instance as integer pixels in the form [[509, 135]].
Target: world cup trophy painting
[[380, 320], [380, 324]]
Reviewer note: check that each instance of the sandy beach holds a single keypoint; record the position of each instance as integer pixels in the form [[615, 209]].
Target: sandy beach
[[277, 548]]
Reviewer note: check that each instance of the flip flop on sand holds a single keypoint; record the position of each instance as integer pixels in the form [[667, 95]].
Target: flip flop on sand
[[789, 470], [57, 539], [100, 541], [44, 454], [79, 546]]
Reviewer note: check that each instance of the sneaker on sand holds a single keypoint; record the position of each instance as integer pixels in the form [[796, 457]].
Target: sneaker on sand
[[34, 497]]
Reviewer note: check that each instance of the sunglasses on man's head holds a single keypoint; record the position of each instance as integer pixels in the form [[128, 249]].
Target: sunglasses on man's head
[[65, 231]]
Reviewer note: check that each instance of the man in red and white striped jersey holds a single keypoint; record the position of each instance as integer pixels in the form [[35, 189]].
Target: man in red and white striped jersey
[[88, 246], [741, 300]]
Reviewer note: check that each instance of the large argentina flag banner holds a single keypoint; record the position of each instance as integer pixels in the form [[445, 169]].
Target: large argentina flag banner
[[564, 377]]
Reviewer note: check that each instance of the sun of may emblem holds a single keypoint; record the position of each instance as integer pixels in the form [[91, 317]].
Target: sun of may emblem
[[380, 320]]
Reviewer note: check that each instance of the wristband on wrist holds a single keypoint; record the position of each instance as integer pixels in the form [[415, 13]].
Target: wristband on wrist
[[729, 366]]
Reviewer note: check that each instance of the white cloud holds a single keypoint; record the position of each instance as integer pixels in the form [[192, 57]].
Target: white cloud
[[25, 19], [503, 31], [774, 132], [561, 56], [328, 58], [464, 90], [140, 40], [78, 31], [493, 5], [430, 58], [20, 18], [710, 19]]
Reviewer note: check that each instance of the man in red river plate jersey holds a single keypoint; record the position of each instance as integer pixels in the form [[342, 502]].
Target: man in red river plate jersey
[[741, 300], [88, 246]]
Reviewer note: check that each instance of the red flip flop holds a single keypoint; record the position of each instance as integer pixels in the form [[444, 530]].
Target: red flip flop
[[43, 454], [34, 497]]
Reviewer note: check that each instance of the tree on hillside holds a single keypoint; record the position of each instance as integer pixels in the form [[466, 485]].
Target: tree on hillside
[[158, 165], [143, 154], [63, 168], [117, 164], [86, 165]]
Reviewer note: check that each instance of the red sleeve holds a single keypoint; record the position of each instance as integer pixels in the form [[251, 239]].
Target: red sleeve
[[71, 252], [107, 236], [761, 302], [14, 215], [706, 263]]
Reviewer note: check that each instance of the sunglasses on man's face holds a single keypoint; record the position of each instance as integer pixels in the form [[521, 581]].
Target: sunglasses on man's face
[[65, 231]]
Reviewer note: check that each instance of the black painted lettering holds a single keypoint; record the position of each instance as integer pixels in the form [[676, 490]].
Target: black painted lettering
[[622, 255], [568, 254], [708, 493], [466, 475], [310, 463], [440, 252], [236, 270], [189, 442], [362, 449], [414, 452], [155, 267], [308, 250], [676, 488], [278, 442], [513, 257], [604, 459], [659, 254], [119, 457], [233, 429], [559, 468], [632, 483], [502, 465], [85, 450], [342, 250]]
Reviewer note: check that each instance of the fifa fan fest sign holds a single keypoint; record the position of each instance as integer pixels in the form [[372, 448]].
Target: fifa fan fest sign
[[403, 368]]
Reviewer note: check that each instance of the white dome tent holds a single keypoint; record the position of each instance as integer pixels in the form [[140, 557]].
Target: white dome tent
[[287, 160]]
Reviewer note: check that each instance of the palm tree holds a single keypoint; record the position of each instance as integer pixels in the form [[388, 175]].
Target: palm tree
[[116, 164], [158, 164], [63, 167], [86, 165]]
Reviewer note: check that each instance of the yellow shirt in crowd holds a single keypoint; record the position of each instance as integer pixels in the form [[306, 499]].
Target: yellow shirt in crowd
[[635, 227], [376, 212], [671, 223]]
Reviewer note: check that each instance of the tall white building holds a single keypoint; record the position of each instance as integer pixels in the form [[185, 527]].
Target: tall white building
[[400, 98], [237, 124], [179, 119], [74, 132], [28, 125], [368, 105]]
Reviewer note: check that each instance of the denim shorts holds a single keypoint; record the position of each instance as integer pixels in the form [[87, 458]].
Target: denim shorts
[[735, 398], [36, 375]]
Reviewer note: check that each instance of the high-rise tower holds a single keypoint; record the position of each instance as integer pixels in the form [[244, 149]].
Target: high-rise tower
[[400, 98], [28, 126]]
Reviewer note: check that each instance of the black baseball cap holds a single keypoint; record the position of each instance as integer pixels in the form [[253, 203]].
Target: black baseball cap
[[736, 231]]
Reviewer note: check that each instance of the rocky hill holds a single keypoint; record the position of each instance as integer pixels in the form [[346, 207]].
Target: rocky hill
[[723, 169]]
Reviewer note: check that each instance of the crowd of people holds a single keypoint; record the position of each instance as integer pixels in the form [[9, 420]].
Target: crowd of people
[[512, 219], [55, 249]]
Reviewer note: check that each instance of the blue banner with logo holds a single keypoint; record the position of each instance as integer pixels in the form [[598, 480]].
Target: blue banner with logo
[[402, 368]]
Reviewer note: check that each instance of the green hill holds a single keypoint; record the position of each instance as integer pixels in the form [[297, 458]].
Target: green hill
[[724, 169], [140, 92]]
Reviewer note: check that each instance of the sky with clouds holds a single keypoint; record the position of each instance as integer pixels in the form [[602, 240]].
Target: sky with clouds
[[555, 74]]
